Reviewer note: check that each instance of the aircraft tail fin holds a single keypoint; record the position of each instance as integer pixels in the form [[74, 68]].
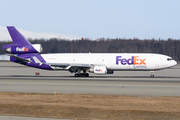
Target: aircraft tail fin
[[17, 38], [21, 45]]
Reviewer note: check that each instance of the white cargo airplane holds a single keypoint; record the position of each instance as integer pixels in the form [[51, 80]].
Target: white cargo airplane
[[25, 53]]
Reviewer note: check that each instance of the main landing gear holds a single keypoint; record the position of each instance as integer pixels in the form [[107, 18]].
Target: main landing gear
[[152, 74], [79, 74]]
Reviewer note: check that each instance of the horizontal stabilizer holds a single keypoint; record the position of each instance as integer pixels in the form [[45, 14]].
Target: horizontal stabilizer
[[19, 58]]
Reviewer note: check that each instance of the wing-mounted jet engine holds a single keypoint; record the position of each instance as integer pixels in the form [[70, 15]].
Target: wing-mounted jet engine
[[101, 70]]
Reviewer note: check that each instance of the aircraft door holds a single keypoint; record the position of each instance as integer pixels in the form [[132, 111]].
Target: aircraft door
[[160, 63]]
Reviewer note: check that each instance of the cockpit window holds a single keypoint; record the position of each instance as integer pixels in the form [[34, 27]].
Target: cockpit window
[[168, 59]]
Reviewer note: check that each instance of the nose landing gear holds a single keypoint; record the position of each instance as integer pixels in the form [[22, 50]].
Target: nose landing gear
[[152, 74]]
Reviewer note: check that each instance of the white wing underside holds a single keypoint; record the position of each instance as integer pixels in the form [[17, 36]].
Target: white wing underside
[[69, 64]]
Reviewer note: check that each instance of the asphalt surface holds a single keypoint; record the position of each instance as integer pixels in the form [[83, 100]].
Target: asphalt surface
[[26, 118], [18, 78]]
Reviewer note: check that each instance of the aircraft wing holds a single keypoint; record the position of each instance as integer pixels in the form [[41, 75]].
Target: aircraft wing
[[69, 64], [81, 65], [58, 64]]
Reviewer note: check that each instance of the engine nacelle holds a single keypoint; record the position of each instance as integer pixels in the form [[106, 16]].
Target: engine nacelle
[[101, 70], [36, 48]]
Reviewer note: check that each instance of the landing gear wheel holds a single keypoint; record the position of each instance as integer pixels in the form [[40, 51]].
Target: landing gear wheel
[[86, 75], [152, 76], [77, 75], [152, 72]]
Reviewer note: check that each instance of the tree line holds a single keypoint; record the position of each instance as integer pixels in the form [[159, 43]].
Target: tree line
[[170, 47]]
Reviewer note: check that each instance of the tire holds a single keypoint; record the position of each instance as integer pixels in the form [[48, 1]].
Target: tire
[[152, 76], [75, 75], [86, 75]]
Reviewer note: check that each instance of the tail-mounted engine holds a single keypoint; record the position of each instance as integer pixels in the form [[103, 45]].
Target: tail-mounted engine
[[15, 49]]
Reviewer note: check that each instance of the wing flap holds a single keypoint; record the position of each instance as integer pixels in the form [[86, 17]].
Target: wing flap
[[58, 64], [69, 64]]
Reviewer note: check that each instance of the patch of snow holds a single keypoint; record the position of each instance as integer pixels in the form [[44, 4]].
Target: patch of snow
[[4, 35]]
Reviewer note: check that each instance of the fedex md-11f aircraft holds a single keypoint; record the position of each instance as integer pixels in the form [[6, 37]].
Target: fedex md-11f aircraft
[[23, 52]]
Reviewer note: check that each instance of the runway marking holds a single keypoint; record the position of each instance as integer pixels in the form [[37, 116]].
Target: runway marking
[[91, 85]]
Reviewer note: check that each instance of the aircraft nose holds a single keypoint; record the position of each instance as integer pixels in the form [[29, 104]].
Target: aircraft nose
[[175, 63]]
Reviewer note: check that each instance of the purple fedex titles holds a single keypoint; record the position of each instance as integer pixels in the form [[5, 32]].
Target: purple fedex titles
[[134, 60], [124, 61]]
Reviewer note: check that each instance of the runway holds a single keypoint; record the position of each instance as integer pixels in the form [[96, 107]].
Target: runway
[[26, 118], [17, 78]]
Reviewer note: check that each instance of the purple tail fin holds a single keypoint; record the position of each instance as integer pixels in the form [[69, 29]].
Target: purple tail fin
[[17, 38], [21, 45]]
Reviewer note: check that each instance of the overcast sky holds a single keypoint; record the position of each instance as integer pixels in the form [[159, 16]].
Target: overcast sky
[[95, 18]]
